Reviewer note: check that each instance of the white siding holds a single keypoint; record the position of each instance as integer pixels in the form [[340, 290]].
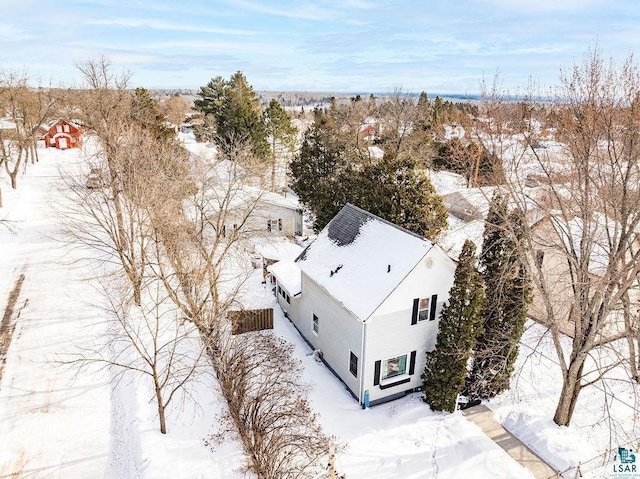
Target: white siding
[[291, 219], [389, 330], [339, 331]]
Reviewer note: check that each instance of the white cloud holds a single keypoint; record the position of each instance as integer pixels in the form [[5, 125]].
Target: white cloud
[[11, 32], [306, 12], [159, 25]]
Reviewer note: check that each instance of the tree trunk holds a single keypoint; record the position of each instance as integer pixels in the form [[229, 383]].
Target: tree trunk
[[161, 415], [571, 387], [632, 358], [633, 367], [0, 198], [137, 290], [636, 358]]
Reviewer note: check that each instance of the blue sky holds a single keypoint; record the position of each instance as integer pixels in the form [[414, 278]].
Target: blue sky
[[323, 45]]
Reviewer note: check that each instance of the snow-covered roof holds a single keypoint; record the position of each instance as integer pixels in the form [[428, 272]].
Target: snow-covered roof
[[273, 198], [359, 259], [469, 203], [453, 239], [288, 275], [376, 152], [7, 124], [277, 248]]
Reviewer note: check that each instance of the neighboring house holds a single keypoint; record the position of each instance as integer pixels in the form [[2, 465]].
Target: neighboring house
[[469, 204], [551, 259], [282, 216], [367, 295], [63, 134], [260, 213]]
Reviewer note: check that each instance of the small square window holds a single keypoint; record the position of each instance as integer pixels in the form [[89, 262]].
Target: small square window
[[316, 325], [353, 364], [393, 367], [423, 309]]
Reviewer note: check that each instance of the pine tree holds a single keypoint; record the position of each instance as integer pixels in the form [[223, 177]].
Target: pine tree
[[235, 109], [319, 170], [145, 112], [328, 172], [509, 294], [423, 112], [438, 113], [398, 191], [281, 134], [460, 323]]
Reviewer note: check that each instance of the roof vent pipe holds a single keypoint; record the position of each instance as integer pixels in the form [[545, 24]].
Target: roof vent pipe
[[388, 268]]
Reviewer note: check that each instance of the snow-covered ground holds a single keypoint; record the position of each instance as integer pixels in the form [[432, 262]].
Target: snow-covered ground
[[56, 423]]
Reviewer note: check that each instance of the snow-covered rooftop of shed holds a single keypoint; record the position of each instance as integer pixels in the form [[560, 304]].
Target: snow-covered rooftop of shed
[[278, 249], [288, 275], [360, 259]]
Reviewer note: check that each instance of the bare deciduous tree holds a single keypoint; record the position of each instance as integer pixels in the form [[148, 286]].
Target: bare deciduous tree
[[148, 339], [267, 407], [28, 108], [175, 108], [585, 215]]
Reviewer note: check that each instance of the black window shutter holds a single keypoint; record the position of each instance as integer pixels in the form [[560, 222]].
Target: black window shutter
[[412, 363], [280, 224], [434, 303], [269, 225], [414, 315], [376, 373]]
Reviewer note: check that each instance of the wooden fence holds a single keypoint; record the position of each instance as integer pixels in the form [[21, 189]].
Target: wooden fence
[[251, 320]]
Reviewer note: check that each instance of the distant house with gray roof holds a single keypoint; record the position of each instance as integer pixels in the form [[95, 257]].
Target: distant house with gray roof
[[367, 295]]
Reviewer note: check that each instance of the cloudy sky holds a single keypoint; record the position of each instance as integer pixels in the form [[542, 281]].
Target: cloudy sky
[[440, 46]]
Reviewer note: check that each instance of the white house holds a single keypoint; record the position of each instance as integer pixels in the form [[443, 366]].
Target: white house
[[283, 216], [367, 295]]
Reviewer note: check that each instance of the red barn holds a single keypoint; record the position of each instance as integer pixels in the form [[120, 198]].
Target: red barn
[[62, 135]]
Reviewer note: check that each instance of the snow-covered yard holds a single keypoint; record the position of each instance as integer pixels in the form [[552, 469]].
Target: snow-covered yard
[[56, 423]]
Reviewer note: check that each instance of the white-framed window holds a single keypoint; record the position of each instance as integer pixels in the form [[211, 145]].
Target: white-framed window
[[65, 128], [272, 225], [59, 128], [424, 307], [353, 364], [316, 325], [393, 367]]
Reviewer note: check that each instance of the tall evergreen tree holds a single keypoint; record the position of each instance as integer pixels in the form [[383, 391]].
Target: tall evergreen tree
[[146, 113], [460, 323], [235, 109], [423, 112], [398, 191], [280, 133], [329, 172], [509, 294], [322, 158], [438, 113]]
